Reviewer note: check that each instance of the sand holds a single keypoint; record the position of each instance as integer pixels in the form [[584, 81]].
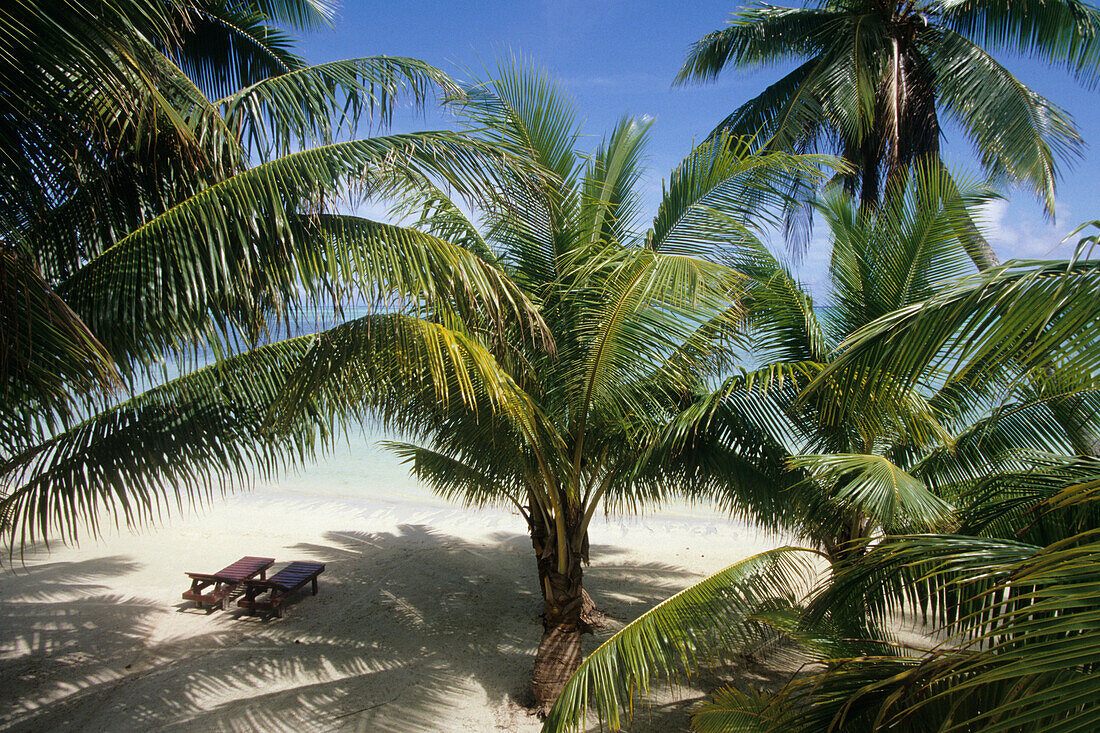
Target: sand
[[427, 616]]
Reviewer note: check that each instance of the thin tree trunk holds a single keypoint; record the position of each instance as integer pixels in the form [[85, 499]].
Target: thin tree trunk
[[844, 547], [976, 245], [973, 241], [567, 609], [868, 177]]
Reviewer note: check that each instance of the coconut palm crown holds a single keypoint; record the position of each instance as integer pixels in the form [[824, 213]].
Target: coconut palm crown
[[640, 320], [874, 78]]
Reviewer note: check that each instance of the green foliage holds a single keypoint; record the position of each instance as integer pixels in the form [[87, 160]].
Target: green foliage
[[873, 79], [209, 431], [727, 610], [867, 421], [875, 487], [639, 318], [1021, 619], [174, 173]]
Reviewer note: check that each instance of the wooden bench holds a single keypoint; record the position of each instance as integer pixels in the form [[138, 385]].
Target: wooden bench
[[281, 585], [225, 581]]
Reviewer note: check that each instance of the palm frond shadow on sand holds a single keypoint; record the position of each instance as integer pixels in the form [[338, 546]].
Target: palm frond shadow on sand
[[406, 624]]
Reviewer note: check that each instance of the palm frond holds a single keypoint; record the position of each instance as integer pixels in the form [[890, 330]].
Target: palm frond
[[729, 710], [526, 111], [1025, 314], [1017, 134], [403, 370], [312, 105], [609, 201], [204, 259], [225, 46], [874, 486], [643, 307], [758, 35], [720, 189], [301, 14], [52, 364], [1063, 32], [183, 441], [781, 319], [1029, 617], [698, 624], [458, 480]]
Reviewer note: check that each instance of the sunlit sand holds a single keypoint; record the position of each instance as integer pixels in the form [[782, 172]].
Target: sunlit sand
[[426, 619]]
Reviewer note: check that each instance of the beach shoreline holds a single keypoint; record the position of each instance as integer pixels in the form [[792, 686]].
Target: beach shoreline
[[426, 619]]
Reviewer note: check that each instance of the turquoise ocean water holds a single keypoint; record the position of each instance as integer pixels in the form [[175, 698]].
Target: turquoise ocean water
[[356, 470]]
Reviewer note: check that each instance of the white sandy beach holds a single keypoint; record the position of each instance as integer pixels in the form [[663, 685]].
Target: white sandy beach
[[427, 616]]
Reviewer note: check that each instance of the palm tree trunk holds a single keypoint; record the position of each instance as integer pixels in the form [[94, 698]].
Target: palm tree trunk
[[973, 241], [843, 547], [559, 652], [592, 617], [976, 245]]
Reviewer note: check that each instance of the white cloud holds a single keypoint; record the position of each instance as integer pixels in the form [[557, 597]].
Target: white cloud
[[1018, 229]]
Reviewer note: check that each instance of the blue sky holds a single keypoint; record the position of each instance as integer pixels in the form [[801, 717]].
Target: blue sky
[[616, 57]]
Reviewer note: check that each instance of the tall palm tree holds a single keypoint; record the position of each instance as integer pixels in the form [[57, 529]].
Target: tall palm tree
[[640, 320], [873, 79], [903, 417], [156, 215]]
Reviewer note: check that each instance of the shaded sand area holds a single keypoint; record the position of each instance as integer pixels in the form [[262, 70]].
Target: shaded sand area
[[427, 617]]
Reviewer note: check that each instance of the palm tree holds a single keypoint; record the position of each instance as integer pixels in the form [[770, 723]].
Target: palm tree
[[874, 78], [1010, 590], [157, 216], [640, 320], [903, 422]]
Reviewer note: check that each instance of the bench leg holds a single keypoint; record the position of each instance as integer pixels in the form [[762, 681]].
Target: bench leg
[[315, 586]]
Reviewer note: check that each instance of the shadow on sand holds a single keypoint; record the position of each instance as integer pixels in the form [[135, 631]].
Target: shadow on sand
[[405, 625]]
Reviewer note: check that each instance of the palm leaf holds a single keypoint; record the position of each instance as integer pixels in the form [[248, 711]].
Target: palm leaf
[[183, 441], [1026, 314], [1031, 133], [720, 189], [211, 429], [458, 480], [52, 364], [1062, 32], [759, 35], [404, 370], [876, 487], [698, 624], [203, 260], [311, 105]]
